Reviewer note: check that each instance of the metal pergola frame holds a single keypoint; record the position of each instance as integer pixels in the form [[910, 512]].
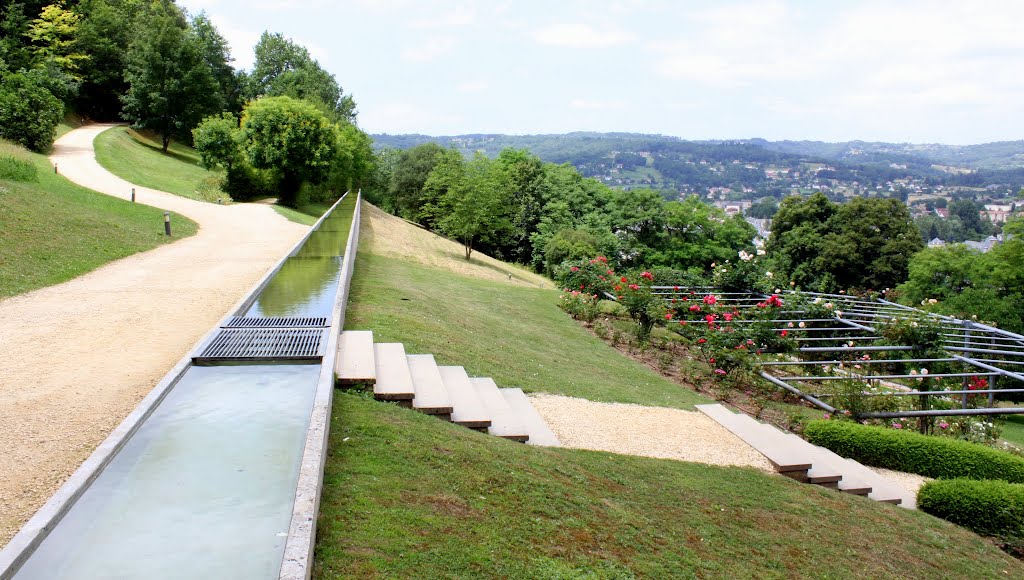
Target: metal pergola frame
[[856, 321]]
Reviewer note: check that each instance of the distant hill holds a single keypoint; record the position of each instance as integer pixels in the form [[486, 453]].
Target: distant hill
[[745, 168]]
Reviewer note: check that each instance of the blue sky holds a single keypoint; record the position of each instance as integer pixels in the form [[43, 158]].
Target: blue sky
[[902, 71]]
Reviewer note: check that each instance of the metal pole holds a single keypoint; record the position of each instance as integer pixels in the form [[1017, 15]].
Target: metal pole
[[799, 393], [167, 223]]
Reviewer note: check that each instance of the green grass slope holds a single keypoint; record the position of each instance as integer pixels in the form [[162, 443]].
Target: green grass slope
[[513, 333], [408, 496], [52, 230], [138, 159]]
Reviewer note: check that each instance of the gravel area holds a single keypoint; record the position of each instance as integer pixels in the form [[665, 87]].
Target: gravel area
[[647, 431], [908, 481], [79, 356]]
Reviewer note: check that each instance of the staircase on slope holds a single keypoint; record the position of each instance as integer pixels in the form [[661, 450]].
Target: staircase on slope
[[416, 381], [798, 459]]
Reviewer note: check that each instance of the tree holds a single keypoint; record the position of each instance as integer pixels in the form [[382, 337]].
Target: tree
[[52, 35], [764, 209], [290, 137], [170, 86], [216, 140], [103, 34], [411, 170], [217, 55], [478, 206], [283, 68], [28, 112], [796, 233], [869, 244]]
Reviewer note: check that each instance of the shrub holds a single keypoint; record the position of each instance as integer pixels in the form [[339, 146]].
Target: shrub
[[922, 454], [991, 508], [28, 112]]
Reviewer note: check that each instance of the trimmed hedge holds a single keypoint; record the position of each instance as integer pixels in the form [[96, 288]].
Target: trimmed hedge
[[990, 508], [926, 455]]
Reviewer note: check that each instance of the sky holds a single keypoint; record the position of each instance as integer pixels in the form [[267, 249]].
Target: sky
[[930, 71]]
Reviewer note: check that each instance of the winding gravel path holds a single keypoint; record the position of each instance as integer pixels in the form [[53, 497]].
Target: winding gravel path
[[79, 356]]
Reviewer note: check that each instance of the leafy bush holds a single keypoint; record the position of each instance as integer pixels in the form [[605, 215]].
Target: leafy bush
[[28, 112], [991, 508], [915, 453], [579, 305]]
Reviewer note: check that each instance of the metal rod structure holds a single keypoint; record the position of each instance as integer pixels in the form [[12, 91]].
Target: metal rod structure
[[863, 362], [854, 348], [887, 377], [989, 367], [810, 399], [957, 392], [943, 413]]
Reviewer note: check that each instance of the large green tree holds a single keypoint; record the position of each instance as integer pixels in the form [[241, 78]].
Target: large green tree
[[411, 169], [217, 55], [478, 206], [284, 68], [103, 34], [292, 138], [863, 244], [170, 85]]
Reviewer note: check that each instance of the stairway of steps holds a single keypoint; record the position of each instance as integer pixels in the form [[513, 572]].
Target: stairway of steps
[[447, 392], [798, 459]]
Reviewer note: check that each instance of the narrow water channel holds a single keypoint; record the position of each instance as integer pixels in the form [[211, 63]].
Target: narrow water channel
[[204, 489]]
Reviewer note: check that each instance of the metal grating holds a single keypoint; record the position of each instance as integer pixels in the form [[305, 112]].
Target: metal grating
[[292, 344], [277, 322]]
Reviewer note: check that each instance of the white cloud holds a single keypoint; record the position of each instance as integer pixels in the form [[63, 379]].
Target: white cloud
[[433, 48], [405, 118], [461, 15], [579, 35], [472, 87], [592, 105]]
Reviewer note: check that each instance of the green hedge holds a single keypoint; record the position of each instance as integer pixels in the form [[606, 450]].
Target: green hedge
[[915, 453], [991, 508]]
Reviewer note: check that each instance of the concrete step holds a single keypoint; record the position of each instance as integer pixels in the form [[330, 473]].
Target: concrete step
[[818, 474], [883, 489], [504, 422], [394, 381], [540, 433], [785, 460], [355, 361], [467, 408], [431, 395], [824, 458]]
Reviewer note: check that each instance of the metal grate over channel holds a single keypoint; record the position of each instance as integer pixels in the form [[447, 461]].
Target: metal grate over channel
[[250, 344], [277, 322]]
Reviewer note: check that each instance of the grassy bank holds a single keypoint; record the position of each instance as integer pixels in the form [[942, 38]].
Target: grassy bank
[[52, 230], [138, 158], [408, 496], [514, 334]]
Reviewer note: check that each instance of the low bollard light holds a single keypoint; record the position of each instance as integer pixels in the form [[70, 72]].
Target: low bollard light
[[167, 223]]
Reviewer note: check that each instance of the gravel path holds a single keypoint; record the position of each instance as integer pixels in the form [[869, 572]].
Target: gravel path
[[79, 356], [661, 432], [647, 431]]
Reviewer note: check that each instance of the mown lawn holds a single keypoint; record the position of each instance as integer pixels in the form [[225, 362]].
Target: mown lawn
[[52, 230], [138, 158], [516, 335], [408, 496]]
